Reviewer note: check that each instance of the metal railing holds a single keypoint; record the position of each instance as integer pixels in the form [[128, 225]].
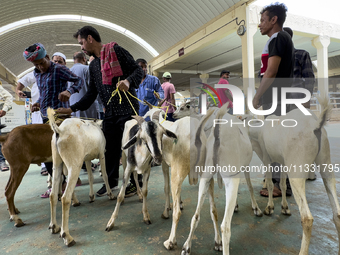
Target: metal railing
[[334, 98]]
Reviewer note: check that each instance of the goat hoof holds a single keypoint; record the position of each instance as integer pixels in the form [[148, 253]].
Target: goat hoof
[[19, 223], [109, 227], [181, 206], [147, 222], [169, 245], [76, 204], [91, 199], [71, 243], [112, 196], [285, 211], [16, 211], [164, 217], [185, 251], [236, 208], [54, 229], [269, 210], [218, 246], [257, 212]]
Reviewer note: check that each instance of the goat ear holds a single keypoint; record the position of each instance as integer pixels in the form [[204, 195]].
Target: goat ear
[[170, 134], [131, 142]]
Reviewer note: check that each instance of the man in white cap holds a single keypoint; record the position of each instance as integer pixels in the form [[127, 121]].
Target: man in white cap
[[169, 96], [59, 58]]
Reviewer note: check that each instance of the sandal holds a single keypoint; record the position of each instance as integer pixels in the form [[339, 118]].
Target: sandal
[[276, 192], [44, 171], [46, 194], [4, 166]]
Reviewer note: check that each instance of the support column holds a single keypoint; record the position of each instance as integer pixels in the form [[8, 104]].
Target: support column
[[203, 109], [247, 41], [321, 44], [204, 77]]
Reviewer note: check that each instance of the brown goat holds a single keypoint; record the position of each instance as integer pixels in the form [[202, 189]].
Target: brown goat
[[24, 145]]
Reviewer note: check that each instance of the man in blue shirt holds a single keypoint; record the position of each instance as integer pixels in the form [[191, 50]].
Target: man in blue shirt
[[149, 89]]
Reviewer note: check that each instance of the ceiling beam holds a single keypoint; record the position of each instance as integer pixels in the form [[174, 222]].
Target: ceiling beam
[[7, 75], [218, 28]]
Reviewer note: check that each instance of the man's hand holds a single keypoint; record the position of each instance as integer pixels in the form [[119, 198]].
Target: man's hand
[[21, 94], [35, 107], [2, 113], [61, 110], [156, 95], [124, 85], [256, 102], [64, 96], [161, 102]]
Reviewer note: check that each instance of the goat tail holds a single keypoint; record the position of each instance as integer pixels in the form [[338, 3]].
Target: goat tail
[[325, 111], [222, 111], [199, 136], [50, 114]]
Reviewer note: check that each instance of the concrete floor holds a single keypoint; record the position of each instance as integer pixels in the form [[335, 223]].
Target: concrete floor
[[276, 234]]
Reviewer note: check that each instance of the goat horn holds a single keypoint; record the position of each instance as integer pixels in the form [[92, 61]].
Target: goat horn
[[155, 115], [148, 104], [139, 119], [161, 102]]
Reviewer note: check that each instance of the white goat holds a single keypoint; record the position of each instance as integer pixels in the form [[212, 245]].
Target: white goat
[[141, 141], [225, 146], [186, 110], [74, 142], [293, 147]]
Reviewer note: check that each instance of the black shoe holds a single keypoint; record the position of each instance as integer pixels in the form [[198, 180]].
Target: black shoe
[[102, 192], [131, 190]]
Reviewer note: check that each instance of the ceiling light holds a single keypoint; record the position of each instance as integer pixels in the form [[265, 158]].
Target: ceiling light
[[68, 44], [100, 22]]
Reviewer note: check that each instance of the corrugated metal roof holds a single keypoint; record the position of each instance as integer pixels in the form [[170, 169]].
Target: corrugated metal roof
[[160, 23]]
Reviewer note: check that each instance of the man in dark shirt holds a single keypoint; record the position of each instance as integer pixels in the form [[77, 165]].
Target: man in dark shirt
[[277, 64], [129, 76], [303, 72]]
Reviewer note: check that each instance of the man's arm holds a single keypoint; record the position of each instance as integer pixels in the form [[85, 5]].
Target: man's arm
[[267, 80], [229, 95], [135, 78], [18, 90], [307, 72], [87, 100], [159, 94], [8, 101], [78, 83], [25, 81]]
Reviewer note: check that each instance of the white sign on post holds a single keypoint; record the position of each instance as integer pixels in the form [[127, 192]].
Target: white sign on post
[[13, 118]]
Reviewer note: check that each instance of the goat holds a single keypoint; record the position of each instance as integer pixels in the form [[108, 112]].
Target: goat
[[141, 141], [302, 145], [225, 146], [24, 145], [74, 142], [186, 110]]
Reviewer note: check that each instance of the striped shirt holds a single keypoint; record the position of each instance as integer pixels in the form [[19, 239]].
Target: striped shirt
[[52, 83]]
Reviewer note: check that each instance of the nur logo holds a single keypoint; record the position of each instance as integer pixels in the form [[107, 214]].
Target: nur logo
[[238, 100]]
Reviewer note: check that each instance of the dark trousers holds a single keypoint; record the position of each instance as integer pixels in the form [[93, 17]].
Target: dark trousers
[[275, 175], [113, 128]]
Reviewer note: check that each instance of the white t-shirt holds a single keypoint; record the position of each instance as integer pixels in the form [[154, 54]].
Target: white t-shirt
[[27, 81]]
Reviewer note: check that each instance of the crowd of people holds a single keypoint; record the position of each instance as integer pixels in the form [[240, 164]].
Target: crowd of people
[[85, 91]]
